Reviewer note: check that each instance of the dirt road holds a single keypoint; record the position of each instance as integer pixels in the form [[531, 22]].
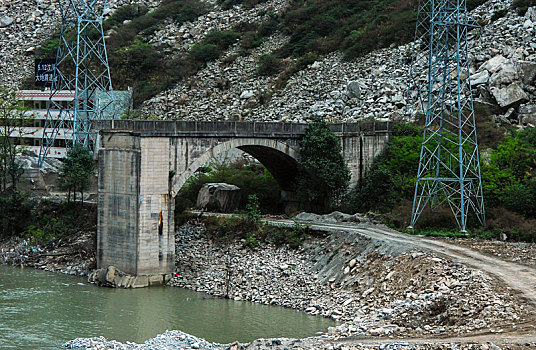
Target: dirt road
[[519, 277]]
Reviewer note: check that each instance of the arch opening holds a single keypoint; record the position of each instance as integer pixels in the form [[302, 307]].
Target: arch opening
[[280, 159]]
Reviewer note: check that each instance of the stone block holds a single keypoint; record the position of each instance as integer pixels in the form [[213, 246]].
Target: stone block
[[156, 280], [140, 281], [510, 95], [480, 78], [527, 71], [494, 64], [110, 274], [218, 196]]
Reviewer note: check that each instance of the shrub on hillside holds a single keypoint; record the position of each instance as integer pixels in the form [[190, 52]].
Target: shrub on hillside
[[227, 4], [269, 65], [205, 52]]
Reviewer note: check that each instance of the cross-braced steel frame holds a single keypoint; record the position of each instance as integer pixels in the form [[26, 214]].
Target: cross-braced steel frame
[[449, 167], [416, 97], [82, 68]]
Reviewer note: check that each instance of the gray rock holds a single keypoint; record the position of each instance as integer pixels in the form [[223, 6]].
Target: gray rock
[[307, 217], [5, 21], [510, 95], [218, 196], [353, 89], [495, 64], [528, 119], [531, 14], [246, 95], [527, 71], [505, 76], [480, 78]]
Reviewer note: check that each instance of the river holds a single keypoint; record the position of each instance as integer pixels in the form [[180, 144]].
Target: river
[[42, 310]]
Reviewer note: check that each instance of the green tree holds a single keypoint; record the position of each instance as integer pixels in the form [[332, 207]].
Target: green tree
[[323, 177], [378, 192], [75, 175], [13, 123]]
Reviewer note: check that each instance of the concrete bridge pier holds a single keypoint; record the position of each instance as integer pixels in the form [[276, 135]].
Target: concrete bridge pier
[[135, 213]]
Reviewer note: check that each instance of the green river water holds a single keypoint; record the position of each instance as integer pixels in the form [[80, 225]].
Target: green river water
[[42, 310]]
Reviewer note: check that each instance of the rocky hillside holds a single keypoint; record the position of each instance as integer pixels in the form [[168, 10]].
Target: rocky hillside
[[231, 87], [25, 24], [503, 67]]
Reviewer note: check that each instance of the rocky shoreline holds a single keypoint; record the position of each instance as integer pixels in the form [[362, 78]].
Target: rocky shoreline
[[371, 288], [72, 258]]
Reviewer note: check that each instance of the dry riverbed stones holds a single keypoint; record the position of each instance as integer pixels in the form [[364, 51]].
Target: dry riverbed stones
[[380, 291]]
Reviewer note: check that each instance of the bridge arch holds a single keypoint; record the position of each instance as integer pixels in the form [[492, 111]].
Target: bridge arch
[[143, 164], [278, 157]]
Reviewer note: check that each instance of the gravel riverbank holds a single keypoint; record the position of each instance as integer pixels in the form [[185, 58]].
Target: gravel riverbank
[[372, 288]]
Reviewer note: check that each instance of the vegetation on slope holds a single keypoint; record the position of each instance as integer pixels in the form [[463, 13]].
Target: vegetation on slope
[[508, 176]]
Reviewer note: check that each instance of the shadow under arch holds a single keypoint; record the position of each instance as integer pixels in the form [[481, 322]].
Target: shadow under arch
[[279, 158]]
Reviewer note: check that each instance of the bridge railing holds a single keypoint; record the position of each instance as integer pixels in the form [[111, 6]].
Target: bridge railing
[[234, 127]]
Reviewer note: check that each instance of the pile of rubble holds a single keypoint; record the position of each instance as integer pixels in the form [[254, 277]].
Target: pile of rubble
[[71, 257], [369, 286], [179, 38]]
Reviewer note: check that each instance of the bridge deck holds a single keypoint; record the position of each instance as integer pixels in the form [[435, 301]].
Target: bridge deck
[[233, 128]]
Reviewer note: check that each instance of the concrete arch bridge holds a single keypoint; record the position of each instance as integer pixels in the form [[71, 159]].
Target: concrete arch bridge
[[143, 164]]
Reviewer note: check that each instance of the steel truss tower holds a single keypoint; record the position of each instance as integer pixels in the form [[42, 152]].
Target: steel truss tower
[[449, 167], [81, 68]]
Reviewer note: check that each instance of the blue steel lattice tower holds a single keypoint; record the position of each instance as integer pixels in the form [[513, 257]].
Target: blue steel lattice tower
[[81, 68], [449, 167]]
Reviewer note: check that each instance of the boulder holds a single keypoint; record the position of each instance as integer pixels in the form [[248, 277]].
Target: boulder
[[527, 114], [531, 14], [218, 196], [480, 78], [505, 76], [5, 21], [510, 95], [246, 95], [527, 71], [494, 64], [353, 89]]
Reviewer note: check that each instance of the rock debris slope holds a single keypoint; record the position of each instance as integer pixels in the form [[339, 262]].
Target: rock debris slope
[[503, 69], [24, 24], [502, 58]]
